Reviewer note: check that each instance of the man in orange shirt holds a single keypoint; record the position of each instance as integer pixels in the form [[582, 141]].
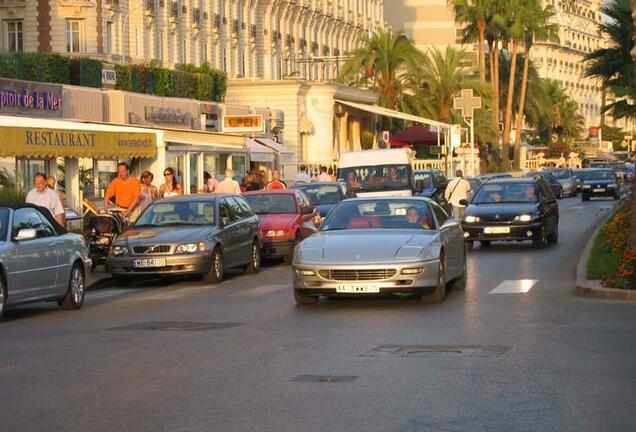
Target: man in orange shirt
[[276, 183], [124, 188]]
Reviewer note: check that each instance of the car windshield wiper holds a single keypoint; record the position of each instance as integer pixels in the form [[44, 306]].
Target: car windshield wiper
[[333, 229]]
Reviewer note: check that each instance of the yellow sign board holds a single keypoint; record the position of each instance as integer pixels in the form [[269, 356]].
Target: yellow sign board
[[45, 142], [243, 123]]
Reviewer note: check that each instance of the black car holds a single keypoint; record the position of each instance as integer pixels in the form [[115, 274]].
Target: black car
[[512, 209], [551, 180], [493, 176], [434, 185], [325, 195], [600, 183]]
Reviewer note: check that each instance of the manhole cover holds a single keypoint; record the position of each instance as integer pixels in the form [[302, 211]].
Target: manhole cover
[[325, 378], [178, 326], [431, 351]]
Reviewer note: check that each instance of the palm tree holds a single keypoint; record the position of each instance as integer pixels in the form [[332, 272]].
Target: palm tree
[[443, 75], [475, 13], [613, 65], [385, 63], [536, 28]]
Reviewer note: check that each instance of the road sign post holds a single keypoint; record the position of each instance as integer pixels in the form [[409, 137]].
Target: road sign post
[[467, 104]]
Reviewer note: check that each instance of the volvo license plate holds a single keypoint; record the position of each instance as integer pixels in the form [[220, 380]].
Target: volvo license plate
[[497, 230], [149, 263], [599, 190], [357, 288]]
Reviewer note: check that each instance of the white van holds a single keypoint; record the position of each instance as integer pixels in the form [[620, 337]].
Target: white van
[[375, 173]]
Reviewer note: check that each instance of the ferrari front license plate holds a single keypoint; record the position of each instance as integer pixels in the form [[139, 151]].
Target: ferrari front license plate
[[497, 230], [357, 288], [149, 262]]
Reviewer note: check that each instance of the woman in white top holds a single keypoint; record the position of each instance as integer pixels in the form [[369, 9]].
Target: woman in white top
[[149, 193], [171, 187]]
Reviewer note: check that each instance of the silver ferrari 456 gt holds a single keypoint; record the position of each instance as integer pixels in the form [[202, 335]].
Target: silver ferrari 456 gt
[[399, 246]]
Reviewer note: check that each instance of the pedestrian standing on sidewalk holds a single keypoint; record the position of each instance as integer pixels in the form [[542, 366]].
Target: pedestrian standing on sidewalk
[[171, 187], [42, 195], [457, 190], [124, 188], [324, 177], [210, 183], [302, 176], [229, 185], [276, 182], [149, 193]]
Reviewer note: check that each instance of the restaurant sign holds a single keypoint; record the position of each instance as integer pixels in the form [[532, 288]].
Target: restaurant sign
[[24, 97], [243, 123], [165, 115], [46, 142]]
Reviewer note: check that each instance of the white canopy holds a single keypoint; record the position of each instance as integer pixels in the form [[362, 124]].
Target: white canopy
[[259, 152], [376, 109]]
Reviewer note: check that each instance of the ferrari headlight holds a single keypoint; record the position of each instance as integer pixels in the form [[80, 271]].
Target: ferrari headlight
[[119, 251], [471, 219], [190, 248]]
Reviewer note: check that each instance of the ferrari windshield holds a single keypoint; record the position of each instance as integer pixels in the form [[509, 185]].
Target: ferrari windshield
[[272, 203], [177, 213], [407, 214], [492, 193], [325, 194]]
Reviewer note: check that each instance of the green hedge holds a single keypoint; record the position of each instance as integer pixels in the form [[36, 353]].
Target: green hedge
[[35, 66], [187, 81]]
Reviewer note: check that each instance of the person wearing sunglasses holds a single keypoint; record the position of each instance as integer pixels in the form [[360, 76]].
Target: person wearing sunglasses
[[171, 187]]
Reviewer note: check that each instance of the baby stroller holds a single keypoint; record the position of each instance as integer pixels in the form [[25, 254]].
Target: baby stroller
[[104, 228]]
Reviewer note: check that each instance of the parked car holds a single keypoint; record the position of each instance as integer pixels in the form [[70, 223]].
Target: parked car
[[550, 179], [512, 209], [375, 246], [39, 259], [286, 218], [492, 176], [567, 179], [325, 195], [189, 235], [600, 183], [434, 184]]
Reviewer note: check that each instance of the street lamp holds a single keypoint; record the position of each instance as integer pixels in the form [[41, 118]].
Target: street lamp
[[123, 31]]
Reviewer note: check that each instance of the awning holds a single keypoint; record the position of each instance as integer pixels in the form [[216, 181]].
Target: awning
[[259, 152], [375, 109], [38, 138], [285, 155]]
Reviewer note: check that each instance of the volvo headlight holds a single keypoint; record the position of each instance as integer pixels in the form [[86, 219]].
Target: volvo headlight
[[524, 218], [119, 251], [190, 248], [471, 219]]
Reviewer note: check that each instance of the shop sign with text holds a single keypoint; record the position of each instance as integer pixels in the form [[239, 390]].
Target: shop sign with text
[[29, 98], [243, 123]]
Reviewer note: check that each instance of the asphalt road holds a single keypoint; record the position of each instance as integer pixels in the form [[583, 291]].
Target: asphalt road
[[544, 360]]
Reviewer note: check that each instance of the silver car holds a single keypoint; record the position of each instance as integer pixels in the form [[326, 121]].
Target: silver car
[[189, 235], [400, 246], [567, 178], [39, 260]]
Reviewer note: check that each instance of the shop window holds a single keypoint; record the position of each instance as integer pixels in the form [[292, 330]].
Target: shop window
[[27, 168], [211, 165], [13, 36], [74, 38], [239, 164], [194, 172]]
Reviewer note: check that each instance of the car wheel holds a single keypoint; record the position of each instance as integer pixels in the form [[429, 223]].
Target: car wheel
[[304, 299], [485, 243], [459, 284], [255, 259], [585, 197], [554, 237], [3, 297], [74, 298], [215, 275], [541, 240], [439, 295]]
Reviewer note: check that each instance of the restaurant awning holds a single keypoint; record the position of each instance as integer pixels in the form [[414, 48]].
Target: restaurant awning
[[375, 109], [285, 155], [38, 138], [259, 152]]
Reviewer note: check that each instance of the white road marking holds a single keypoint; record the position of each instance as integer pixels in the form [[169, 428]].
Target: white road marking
[[260, 291], [519, 286], [578, 208]]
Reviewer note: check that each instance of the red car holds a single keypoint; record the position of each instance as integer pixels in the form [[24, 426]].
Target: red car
[[286, 216]]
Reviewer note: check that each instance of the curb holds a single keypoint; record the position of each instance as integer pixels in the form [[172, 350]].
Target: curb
[[593, 288]]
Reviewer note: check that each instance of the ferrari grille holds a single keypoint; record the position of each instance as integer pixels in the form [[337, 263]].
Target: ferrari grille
[[358, 275]]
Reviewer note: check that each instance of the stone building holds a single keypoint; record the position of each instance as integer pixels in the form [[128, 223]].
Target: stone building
[[269, 39]]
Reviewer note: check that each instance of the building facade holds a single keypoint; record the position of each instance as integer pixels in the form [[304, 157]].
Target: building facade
[[269, 39]]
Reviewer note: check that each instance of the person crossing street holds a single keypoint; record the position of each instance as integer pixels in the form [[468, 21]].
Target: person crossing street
[[457, 190]]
